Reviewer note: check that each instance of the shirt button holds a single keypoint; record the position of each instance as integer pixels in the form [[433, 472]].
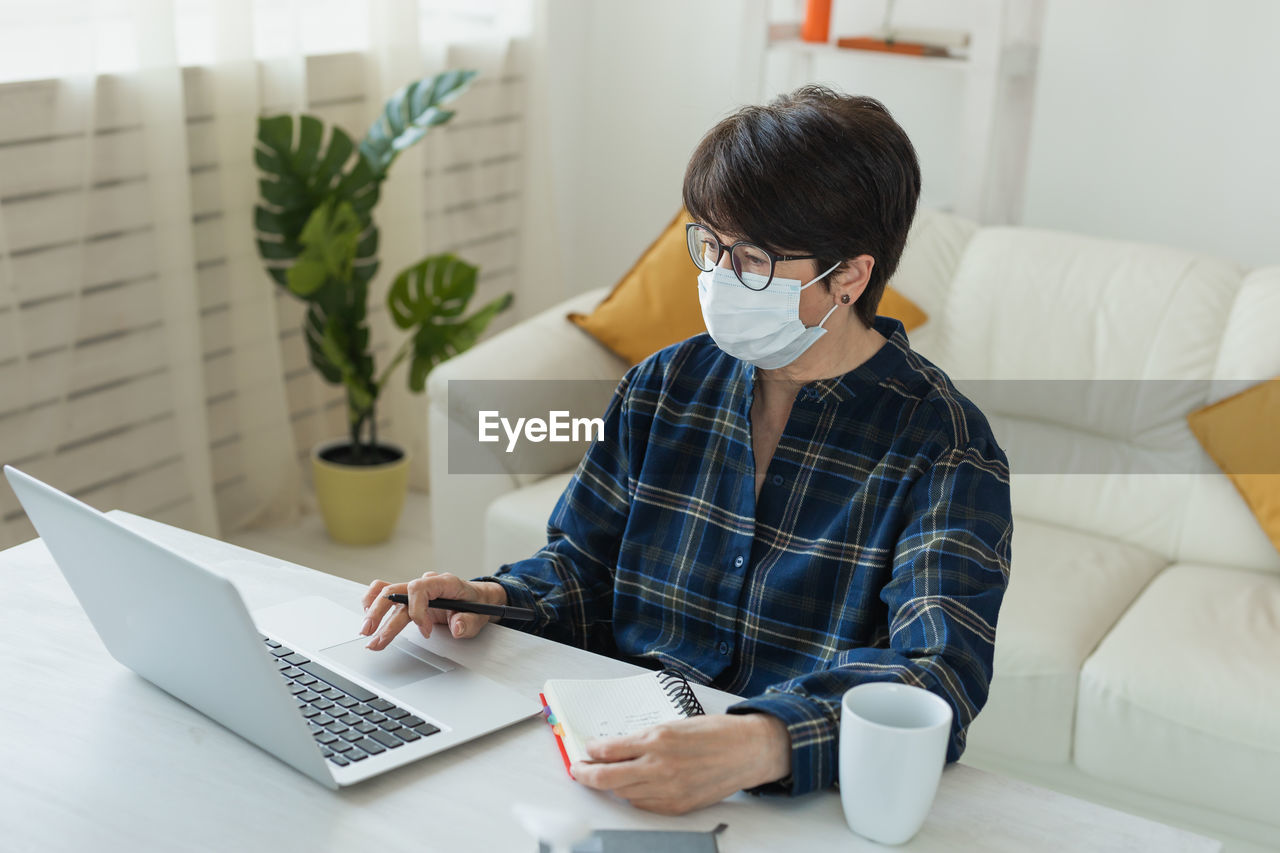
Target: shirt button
[[738, 561], [724, 648], [777, 479]]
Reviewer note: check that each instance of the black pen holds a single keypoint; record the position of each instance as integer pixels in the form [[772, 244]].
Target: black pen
[[516, 614]]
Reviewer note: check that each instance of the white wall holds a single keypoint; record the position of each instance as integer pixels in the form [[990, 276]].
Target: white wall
[[629, 90], [1154, 120], [621, 92], [1158, 120], [955, 114]]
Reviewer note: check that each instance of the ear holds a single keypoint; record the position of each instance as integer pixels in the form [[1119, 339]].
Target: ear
[[853, 279]]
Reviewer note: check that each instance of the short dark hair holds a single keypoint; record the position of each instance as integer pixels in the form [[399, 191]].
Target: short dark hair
[[816, 172]]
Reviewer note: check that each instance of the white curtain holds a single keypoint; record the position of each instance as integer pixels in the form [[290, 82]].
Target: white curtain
[[147, 362]]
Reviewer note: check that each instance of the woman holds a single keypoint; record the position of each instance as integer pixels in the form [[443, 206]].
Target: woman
[[788, 506]]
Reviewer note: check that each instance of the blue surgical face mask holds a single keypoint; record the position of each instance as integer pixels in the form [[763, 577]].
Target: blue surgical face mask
[[760, 327]]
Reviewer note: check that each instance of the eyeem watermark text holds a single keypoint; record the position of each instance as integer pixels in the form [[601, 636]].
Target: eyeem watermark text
[[558, 427]]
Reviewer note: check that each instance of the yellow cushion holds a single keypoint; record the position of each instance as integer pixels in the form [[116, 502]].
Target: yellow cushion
[[654, 305], [656, 302], [1240, 434], [894, 304]]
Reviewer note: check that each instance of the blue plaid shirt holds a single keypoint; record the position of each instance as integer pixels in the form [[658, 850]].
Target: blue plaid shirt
[[878, 549]]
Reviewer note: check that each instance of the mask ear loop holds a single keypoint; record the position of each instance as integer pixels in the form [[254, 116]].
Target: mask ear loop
[[826, 316], [824, 275]]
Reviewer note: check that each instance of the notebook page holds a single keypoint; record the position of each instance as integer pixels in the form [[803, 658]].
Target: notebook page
[[591, 708]]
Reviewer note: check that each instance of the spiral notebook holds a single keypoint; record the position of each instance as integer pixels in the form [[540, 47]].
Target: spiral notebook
[[581, 709]]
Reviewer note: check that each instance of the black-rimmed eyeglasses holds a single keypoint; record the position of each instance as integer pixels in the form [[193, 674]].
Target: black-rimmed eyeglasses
[[751, 264]]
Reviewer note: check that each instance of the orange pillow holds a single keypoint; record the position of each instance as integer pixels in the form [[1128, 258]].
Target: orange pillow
[[656, 302], [1240, 434], [894, 304], [654, 305]]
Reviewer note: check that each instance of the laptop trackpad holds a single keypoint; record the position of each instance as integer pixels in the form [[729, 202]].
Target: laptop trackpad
[[392, 667]]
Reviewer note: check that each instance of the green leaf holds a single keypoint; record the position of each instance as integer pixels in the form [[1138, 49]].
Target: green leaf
[[276, 251], [467, 332], [276, 132], [369, 245], [407, 115], [434, 343], [265, 220], [339, 151], [360, 185], [333, 345], [283, 196], [305, 278], [313, 330], [429, 348], [436, 286], [310, 132], [316, 234], [329, 239], [296, 180]]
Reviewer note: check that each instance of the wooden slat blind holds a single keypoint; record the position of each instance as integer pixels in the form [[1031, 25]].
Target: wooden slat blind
[[92, 313]]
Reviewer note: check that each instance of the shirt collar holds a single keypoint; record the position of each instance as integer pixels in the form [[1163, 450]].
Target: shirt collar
[[881, 365]]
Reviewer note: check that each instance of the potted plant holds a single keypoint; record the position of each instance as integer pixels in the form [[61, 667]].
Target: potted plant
[[318, 240]]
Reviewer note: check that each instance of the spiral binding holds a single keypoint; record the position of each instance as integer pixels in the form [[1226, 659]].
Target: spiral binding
[[681, 694]]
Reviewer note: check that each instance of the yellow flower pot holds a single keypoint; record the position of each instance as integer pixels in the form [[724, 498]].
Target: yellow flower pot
[[360, 503]]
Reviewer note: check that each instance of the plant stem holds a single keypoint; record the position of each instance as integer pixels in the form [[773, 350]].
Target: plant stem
[[395, 361], [355, 437]]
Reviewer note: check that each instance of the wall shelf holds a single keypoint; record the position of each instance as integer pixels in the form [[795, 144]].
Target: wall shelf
[[968, 116], [806, 49]]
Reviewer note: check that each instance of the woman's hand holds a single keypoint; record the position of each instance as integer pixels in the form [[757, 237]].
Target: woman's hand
[[420, 591], [684, 765]]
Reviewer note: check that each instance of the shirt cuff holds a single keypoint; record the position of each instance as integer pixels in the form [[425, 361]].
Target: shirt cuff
[[518, 595], [813, 732]]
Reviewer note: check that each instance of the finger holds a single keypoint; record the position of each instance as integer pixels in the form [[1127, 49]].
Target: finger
[[376, 609], [449, 585], [616, 748], [661, 805], [438, 617], [434, 585], [419, 612], [645, 789], [394, 625], [609, 777], [372, 593], [464, 625]]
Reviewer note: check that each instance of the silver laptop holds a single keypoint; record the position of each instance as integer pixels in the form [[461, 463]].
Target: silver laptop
[[295, 679]]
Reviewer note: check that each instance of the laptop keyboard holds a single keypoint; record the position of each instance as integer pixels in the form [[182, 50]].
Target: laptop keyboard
[[349, 722]]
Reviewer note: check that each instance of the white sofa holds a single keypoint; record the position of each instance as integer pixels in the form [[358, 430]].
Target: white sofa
[[1138, 648]]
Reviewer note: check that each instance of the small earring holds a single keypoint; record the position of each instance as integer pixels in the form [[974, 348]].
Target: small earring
[[845, 299]]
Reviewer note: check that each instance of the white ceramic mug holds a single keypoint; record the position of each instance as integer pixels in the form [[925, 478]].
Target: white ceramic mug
[[893, 744]]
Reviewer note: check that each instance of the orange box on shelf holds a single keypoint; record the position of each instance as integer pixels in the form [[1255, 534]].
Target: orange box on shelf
[[909, 48], [817, 21]]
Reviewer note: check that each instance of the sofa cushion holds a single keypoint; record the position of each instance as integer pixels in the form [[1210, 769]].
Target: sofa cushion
[[1042, 307], [934, 246], [1242, 435], [1180, 699], [1217, 527], [1066, 589], [894, 304], [655, 304], [1032, 304], [515, 525]]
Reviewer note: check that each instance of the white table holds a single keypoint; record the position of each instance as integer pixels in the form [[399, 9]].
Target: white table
[[95, 758]]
